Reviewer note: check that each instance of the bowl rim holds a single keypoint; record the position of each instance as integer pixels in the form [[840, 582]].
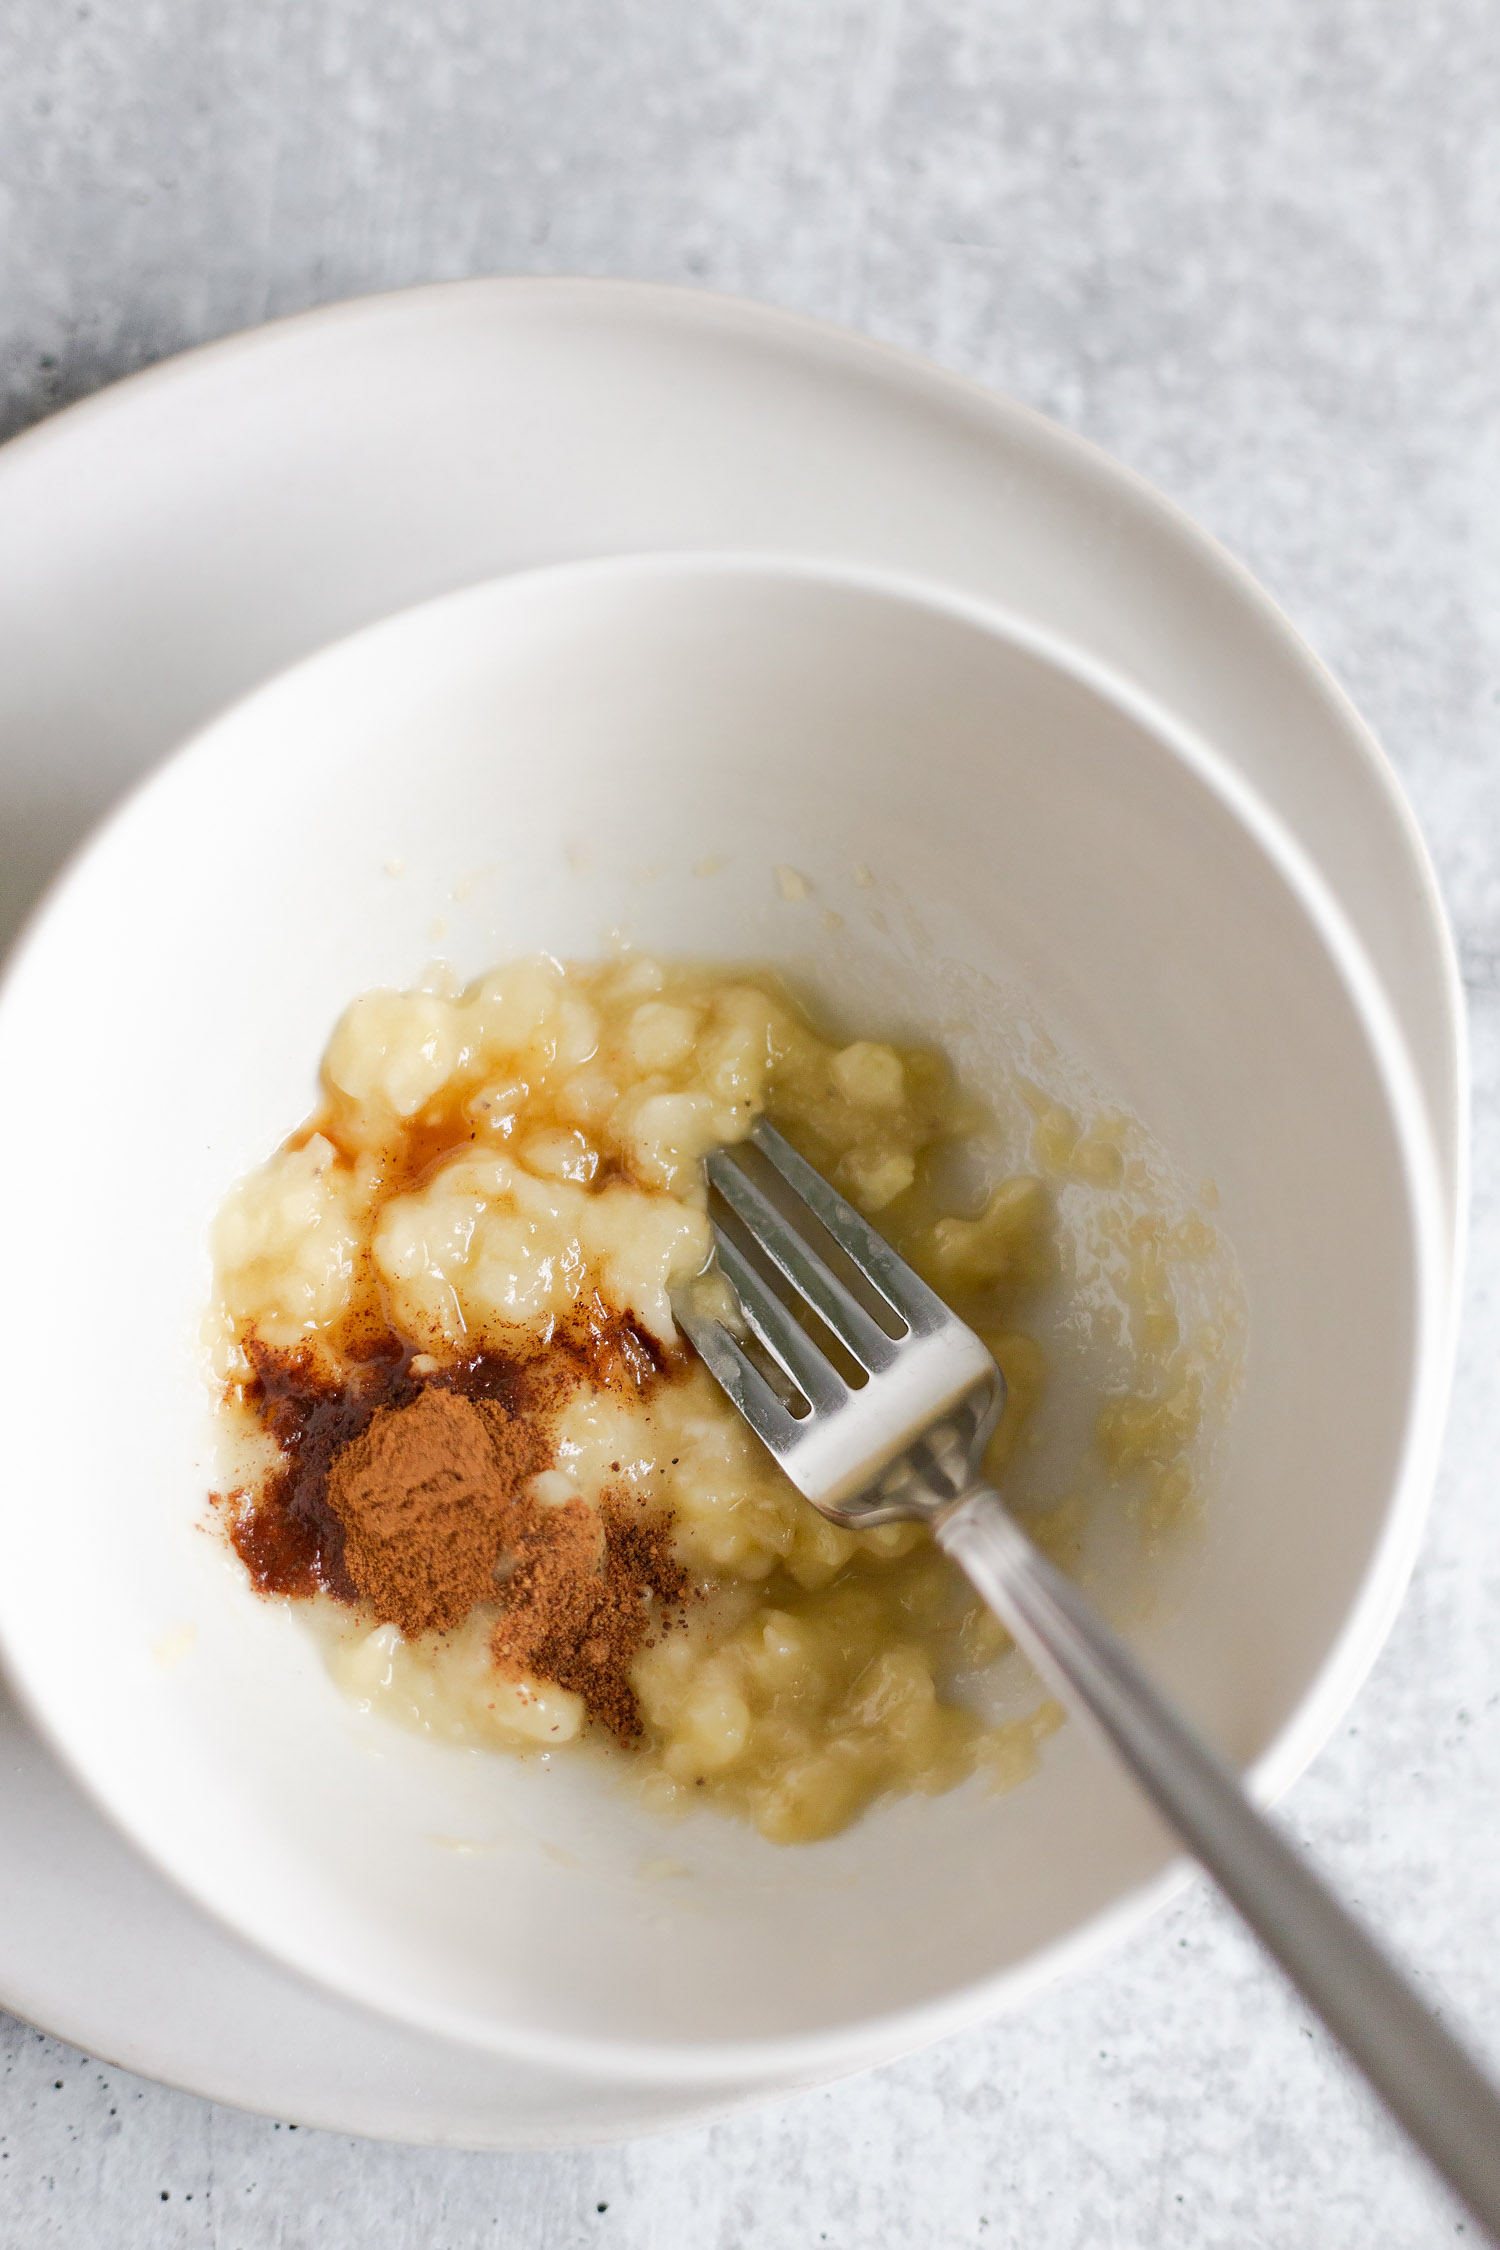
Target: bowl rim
[[795, 2057]]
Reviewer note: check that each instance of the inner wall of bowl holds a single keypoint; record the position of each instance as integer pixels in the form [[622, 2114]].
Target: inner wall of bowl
[[545, 764]]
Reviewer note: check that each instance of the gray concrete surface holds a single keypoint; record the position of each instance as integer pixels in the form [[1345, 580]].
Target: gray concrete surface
[[1251, 249]]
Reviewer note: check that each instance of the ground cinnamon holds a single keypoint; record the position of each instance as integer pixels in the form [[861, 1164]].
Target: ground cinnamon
[[575, 1603], [408, 1497], [429, 1498]]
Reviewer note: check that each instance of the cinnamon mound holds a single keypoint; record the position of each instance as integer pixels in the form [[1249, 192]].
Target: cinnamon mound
[[429, 1499], [405, 1496]]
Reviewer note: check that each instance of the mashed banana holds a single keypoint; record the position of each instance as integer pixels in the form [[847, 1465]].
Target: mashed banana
[[492, 1166]]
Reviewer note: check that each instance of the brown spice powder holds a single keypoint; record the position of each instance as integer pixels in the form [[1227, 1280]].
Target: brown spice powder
[[575, 1604], [407, 1498], [429, 1498]]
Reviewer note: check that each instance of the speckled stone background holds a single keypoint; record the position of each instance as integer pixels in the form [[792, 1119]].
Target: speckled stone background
[[1253, 250]]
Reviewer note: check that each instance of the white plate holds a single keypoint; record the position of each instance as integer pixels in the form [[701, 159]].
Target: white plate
[[168, 545]]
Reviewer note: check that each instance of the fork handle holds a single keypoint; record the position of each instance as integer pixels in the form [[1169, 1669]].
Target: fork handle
[[1424, 2077]]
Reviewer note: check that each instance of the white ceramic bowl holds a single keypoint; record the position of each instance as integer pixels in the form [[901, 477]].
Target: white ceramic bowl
[[549, 758]]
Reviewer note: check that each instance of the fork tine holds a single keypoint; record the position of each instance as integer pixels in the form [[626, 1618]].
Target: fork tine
[[905, 1293], [725, 1360], [801, 1265], [819, 1383]]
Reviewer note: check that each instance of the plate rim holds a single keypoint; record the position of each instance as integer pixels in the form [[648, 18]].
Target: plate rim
[[779, 333]]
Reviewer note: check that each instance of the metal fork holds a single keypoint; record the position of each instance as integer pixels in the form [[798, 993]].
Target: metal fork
[[889, 1422]]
